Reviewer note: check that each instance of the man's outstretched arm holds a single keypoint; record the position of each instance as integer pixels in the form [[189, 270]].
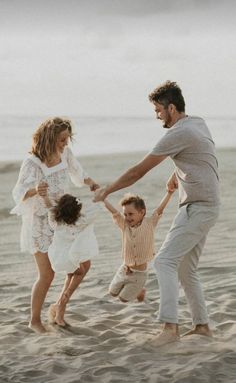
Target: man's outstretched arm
[[131, 176]]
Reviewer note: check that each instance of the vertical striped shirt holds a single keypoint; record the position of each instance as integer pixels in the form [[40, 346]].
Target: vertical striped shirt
[[137, 242]]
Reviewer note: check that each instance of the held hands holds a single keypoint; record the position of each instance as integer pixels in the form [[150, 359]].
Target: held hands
[[94, 186], [42, 189], [99, 194], [91, 183], [172, 183]]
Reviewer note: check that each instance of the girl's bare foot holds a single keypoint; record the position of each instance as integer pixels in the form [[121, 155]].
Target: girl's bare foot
[[141, 295], [52, 313], [37, 327], [200, 329], [57, 311], [59, 318]]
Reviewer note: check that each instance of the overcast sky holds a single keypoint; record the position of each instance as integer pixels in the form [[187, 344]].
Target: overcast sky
[[103, 57]]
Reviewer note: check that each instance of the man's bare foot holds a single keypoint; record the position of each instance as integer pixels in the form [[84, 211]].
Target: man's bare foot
[[200, 329], [37, 327], [166, 336], [141, 295]]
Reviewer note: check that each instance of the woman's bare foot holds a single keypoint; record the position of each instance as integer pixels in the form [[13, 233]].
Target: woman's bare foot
[[37, 327], [141, 295], [200, 329]]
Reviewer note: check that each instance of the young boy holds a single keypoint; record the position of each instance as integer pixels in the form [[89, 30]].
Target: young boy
[[137, 245]]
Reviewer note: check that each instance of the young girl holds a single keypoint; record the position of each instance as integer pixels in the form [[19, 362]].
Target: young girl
[[137, 247], [73, 245], [47, 169]]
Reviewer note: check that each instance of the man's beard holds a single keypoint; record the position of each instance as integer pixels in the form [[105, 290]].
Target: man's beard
[[165, 126], [167, 122]]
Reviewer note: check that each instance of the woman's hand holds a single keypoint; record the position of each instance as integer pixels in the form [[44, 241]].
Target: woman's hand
[[91, 183], [94, 186]]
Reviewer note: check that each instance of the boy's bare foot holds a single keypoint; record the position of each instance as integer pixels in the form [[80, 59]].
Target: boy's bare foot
[[37, 327], [200, 329], [141, 295]]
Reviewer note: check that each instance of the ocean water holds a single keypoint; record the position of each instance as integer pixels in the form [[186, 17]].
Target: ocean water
[[103, 135]]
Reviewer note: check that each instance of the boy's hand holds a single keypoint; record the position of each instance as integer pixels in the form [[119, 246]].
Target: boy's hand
[[172, 183]]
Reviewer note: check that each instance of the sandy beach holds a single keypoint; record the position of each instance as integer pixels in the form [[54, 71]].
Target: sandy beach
[[109, 341]]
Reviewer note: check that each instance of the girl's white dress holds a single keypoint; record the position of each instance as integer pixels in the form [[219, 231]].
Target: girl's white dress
[[73, 244], [36, 233]]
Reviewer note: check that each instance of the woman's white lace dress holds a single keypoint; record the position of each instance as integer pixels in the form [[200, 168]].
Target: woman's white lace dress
[[36, 233]]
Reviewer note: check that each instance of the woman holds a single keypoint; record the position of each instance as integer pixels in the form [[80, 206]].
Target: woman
[[46, 170]]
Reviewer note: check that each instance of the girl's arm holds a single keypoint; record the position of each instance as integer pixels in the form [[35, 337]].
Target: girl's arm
[[47, 201], [109, 207], [51, 219], [30, 193]]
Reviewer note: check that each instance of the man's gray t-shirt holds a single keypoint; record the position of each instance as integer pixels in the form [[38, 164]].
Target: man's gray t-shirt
[[191, 147]]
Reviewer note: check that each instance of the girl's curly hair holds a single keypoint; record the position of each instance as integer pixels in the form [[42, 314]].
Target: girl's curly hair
[[67, 209]]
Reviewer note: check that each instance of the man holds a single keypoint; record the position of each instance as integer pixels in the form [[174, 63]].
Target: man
[[189, 144]]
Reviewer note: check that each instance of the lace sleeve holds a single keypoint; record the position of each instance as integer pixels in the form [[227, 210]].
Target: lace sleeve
[[76, 172], [27, 180]]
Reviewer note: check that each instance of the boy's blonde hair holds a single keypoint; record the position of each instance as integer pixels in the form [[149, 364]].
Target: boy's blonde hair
[[45, 137], [129, 198]]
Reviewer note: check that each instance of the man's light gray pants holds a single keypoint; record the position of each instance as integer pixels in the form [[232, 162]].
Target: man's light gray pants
[[178, 259]]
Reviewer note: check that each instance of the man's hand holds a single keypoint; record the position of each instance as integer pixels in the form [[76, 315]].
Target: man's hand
[[100, 194], [172, 183]]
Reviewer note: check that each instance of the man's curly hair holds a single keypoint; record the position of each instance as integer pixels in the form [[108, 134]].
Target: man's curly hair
[[168, 93]]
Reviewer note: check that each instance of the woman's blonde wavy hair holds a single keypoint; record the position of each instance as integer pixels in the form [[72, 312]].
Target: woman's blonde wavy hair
[[45, 137]]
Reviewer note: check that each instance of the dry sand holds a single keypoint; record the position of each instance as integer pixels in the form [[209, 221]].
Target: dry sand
[[108, 340]]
